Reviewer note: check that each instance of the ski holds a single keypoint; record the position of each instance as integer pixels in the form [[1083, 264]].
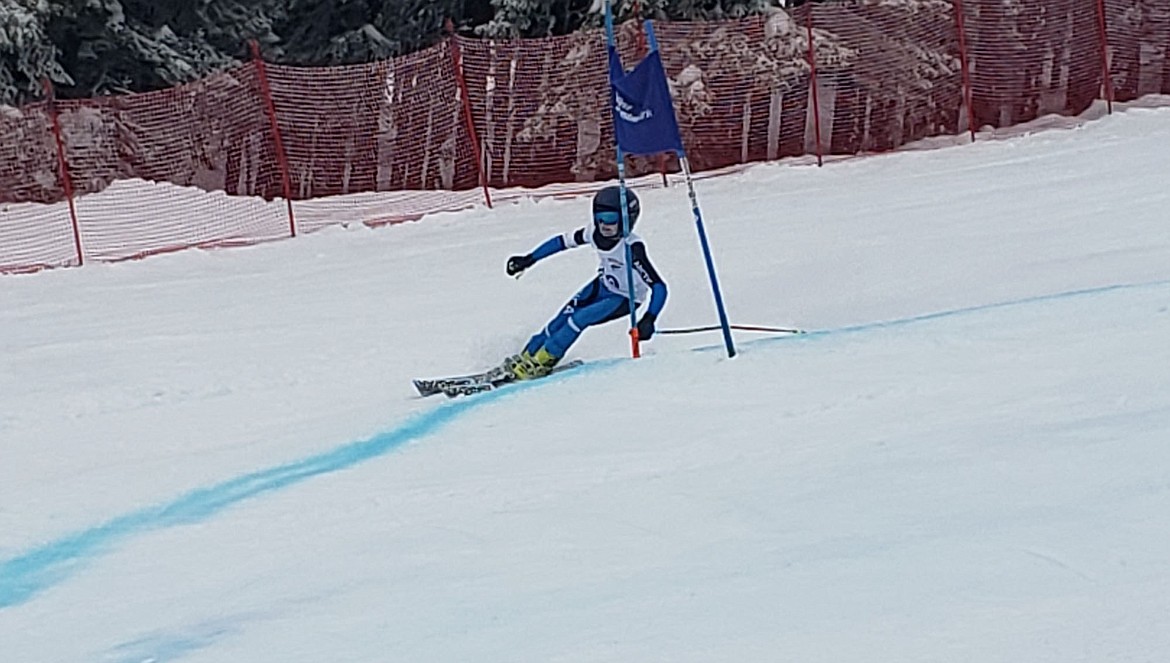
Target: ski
[[432, 387], [467, 389], [474, 383]]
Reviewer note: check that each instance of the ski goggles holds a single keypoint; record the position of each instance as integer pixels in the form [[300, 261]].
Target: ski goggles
[[608, 218], [608, 223]]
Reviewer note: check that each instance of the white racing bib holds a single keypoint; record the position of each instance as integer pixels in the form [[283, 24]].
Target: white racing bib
[[611, 265]]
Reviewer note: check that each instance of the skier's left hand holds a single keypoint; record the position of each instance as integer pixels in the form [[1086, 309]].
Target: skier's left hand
[[646, 326]]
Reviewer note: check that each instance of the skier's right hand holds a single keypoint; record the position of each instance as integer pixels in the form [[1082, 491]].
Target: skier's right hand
[[517, 264], [646, 326]]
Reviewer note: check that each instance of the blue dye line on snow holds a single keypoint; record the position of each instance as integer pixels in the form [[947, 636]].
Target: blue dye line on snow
[[1025, 301], [169, 647], [950, 313], [25, 576]]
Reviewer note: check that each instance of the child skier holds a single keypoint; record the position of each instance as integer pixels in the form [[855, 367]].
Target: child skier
[[603, 299]]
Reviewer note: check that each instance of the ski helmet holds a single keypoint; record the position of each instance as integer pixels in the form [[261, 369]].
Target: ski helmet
[[607, 208]]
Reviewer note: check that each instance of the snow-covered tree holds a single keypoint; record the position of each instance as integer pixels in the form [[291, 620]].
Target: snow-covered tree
[[729, 65], [906, 82], [716, 10], [573, 93], [1139, 39], [349, 31], [136, 45], [27, 56], [680, 10], [535, 18]]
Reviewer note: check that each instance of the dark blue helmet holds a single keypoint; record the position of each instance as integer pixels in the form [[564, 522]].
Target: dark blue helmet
[[607, 210]]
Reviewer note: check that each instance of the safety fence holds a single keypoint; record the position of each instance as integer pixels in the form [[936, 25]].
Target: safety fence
[[265, 151]]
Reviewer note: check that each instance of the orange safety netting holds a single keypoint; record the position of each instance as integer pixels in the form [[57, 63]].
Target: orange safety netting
[[265, 151]]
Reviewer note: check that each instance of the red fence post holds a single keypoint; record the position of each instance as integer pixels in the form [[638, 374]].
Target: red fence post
[[457, 65], [967, 95], [281, 158], [63, 166], [1103, 35], [816, 101]]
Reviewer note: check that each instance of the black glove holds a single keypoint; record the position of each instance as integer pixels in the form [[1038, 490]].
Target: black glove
[[517, 264], [646, 326]]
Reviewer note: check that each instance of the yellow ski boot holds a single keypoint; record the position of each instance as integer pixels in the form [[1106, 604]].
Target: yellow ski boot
[[525, 366]]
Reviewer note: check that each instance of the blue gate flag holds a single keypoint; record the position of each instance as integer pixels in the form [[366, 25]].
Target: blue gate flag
[[643, 115]]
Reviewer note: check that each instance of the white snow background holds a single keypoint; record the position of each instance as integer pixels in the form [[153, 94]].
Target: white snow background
[[217, 456]]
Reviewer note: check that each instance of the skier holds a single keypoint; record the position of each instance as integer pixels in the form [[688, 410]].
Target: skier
[[603, 299]]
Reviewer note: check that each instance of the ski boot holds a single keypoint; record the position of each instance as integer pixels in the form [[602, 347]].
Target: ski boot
[[526, 366]]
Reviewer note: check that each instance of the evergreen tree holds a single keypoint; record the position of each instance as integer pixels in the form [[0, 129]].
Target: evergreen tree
[[92, 47], [412, 25], [349, 31], [136, 45], [715, 10], [536, 18], [27, 56], [683, 10]]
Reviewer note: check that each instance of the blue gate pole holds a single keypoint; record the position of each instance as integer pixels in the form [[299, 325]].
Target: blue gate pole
[[686, 169], [621, 168]]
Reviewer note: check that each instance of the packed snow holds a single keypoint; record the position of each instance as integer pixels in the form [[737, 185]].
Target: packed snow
[[218, 456]]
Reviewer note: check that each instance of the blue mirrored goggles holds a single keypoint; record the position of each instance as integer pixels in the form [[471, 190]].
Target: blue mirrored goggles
[[608, 218]]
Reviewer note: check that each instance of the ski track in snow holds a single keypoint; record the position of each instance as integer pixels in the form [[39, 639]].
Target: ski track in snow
[[25, 576]]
